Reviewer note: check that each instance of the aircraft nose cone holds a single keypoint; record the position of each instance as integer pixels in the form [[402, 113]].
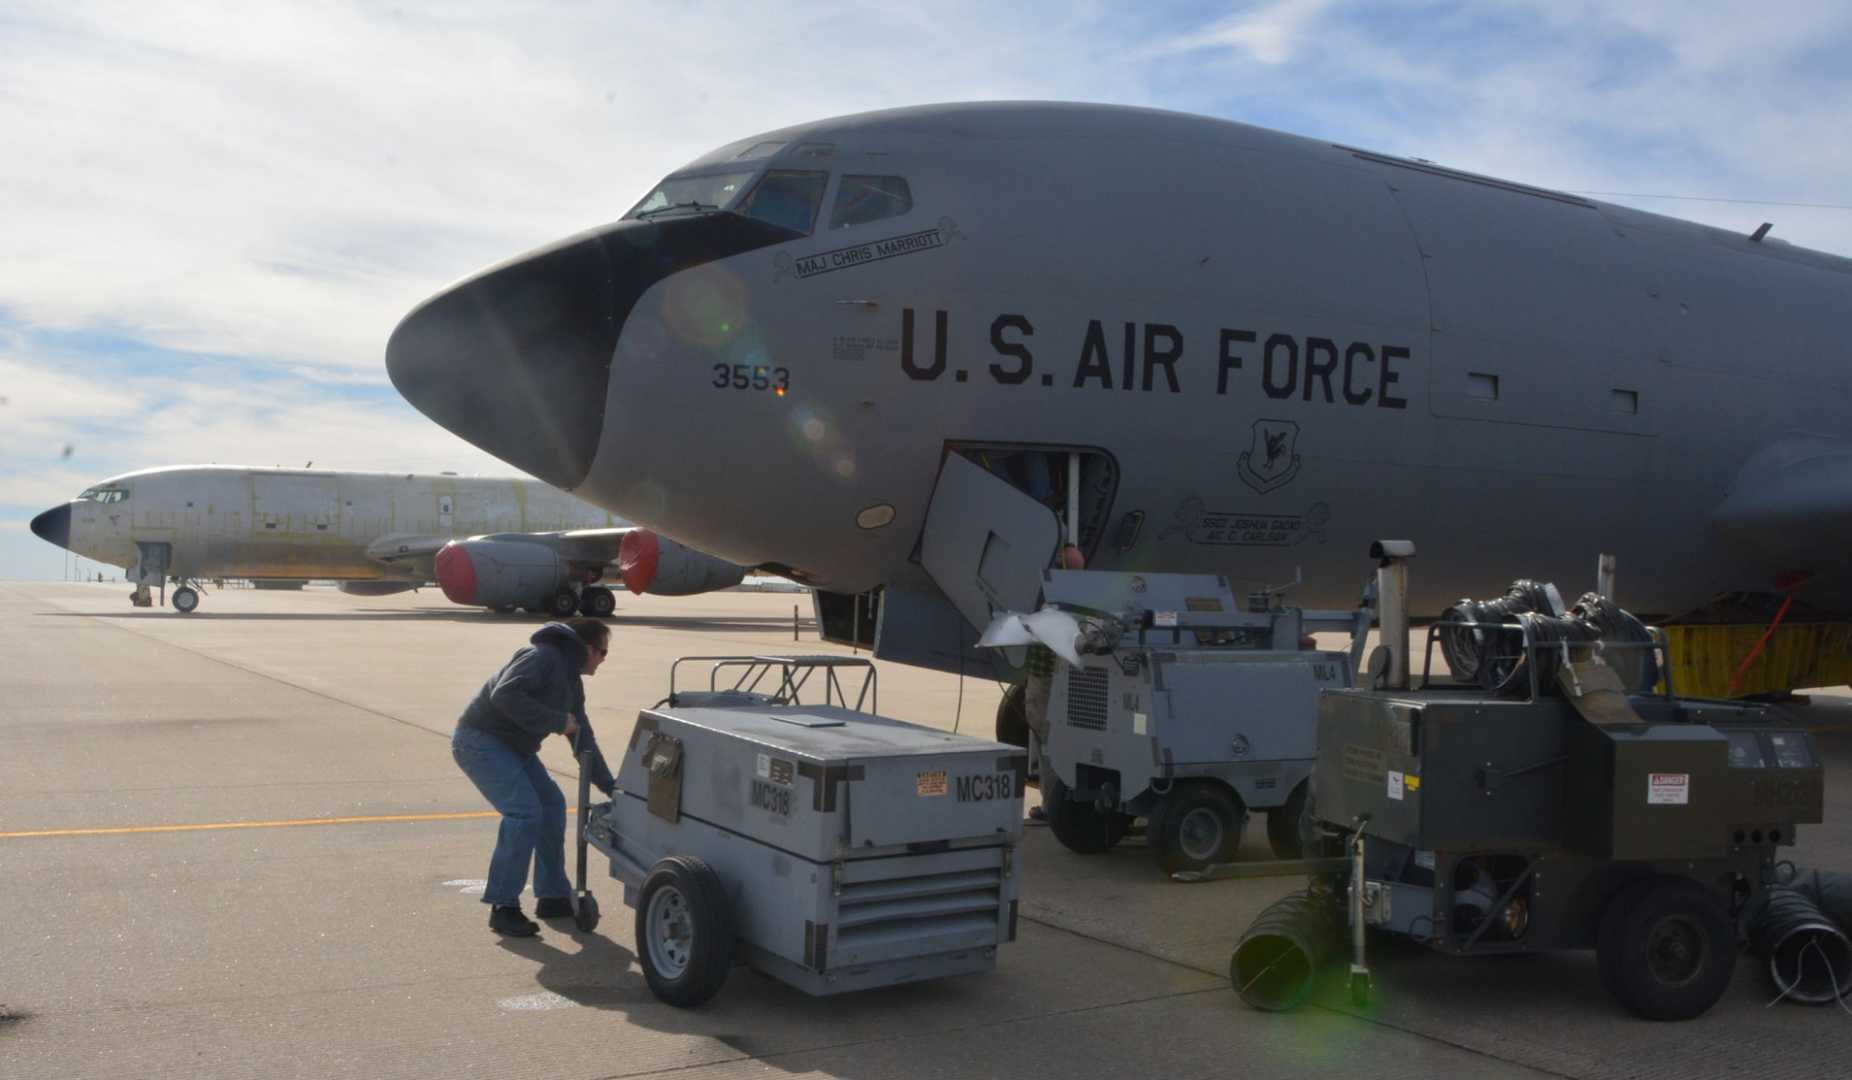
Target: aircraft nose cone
[[516, 359], [54, 525]]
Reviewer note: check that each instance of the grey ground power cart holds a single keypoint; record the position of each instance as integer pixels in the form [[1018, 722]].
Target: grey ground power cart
[[829, 847], [1571, 807], [1188, 709]]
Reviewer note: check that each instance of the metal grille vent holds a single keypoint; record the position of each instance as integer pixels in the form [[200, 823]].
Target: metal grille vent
[[1086, 698], [898, 913]]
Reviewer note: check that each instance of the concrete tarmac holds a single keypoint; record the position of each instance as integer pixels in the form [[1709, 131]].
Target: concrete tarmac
[[234, 844]]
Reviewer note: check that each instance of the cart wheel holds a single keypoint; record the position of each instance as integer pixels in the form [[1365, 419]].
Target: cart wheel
[[1079, 826], [1012, 719], [585, 913], [1666, 948], [1286, 825], [1195, 826], [684, 931], [1613, 929]]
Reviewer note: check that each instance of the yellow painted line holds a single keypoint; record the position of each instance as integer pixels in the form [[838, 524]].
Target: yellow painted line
[[296, 823]]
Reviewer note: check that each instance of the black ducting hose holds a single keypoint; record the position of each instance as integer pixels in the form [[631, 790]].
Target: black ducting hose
[[1274, 962], [1495, 658], [1632, 658], [1485, 656], [1809, 957], [1832, 892]]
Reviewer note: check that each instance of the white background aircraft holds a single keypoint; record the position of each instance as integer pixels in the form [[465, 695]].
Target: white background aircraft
[[495, 543]]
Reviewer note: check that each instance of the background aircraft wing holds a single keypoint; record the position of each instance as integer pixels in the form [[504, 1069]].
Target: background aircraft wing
[[593, 546], [647, 562], [406, 549]]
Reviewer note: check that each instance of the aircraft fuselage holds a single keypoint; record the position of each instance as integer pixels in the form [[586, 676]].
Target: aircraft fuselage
[[229, 521], [1271, 350]]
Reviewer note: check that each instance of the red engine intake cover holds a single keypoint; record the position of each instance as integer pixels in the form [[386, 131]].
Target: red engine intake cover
[[456, 574], [637, 557]]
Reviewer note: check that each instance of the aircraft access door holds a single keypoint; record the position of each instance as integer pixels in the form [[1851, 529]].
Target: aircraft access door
[[986, 543], [152, 562]]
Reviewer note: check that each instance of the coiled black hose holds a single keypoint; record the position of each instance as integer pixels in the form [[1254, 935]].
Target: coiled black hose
[[1632, 657], [1481, 654], [1274, 962], [1809, 957], [1495, 658]]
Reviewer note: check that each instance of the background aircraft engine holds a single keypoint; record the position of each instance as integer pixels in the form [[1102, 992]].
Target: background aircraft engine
[[376, 588], [654, 564], [498, 573]]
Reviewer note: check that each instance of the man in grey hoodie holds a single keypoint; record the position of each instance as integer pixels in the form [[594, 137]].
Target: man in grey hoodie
[[539, 692]]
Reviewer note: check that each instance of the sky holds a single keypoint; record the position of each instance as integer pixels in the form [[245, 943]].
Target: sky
[[212, 215]]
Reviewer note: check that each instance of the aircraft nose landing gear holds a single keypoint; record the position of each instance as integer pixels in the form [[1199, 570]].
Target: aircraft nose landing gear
[[186, 599]]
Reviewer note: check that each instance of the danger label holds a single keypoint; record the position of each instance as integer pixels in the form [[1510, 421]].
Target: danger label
[[1668, 788], [1365, 764], [930, 783]]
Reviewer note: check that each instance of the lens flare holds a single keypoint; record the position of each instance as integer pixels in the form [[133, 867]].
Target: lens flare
[[819, 437], [705, 306]]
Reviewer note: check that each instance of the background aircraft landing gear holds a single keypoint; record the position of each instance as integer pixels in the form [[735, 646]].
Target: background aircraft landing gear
[[597, 601], [186, 599], [140, 596], [564, 604]]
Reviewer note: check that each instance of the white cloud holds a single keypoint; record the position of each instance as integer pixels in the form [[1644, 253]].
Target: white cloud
[[1270, 33], [287, 180]]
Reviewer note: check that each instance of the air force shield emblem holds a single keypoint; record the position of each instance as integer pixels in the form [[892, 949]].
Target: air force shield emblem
[[1270, 461]]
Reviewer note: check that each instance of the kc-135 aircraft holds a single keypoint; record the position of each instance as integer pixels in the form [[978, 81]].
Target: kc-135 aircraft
[[910, 349], [493, 543]]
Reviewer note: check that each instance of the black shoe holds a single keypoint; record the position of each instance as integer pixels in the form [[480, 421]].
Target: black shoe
[[509, 922], [553, 907]]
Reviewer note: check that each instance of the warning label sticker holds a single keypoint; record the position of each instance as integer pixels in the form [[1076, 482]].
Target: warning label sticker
[[930, 783], [1668, 788], [1395, 785], [1364, 764]]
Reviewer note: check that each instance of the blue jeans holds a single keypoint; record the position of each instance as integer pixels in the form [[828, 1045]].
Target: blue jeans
[[533, 817]]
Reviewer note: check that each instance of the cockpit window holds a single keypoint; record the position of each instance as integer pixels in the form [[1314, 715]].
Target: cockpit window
[[862, 199], [714, 191], [760, 150], [788, 198], [103, 495]]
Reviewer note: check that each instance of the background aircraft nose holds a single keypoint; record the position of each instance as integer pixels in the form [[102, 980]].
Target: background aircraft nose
[[54, 525], [516, 358]]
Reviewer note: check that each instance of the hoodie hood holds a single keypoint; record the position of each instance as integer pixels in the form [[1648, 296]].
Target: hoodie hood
[[562, 637]]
